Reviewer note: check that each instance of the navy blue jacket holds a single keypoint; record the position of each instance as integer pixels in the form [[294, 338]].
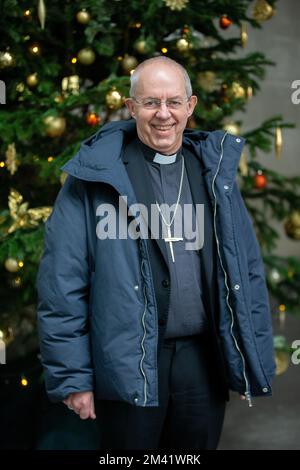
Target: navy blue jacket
[[97, 311]]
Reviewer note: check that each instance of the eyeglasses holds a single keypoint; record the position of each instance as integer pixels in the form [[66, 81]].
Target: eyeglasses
[[153, 103]]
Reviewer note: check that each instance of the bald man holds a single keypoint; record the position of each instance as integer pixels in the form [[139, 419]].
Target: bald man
[[152, 293]]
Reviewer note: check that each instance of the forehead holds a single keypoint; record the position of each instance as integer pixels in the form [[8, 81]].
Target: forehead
[[160, 80]]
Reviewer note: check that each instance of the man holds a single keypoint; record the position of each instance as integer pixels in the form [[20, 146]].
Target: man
[[150, 331]]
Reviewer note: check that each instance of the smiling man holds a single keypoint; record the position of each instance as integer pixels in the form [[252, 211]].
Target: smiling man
[[161, 103], [152, 333]]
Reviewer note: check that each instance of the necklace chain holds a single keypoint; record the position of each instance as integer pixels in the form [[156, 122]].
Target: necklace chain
[[168, 224]]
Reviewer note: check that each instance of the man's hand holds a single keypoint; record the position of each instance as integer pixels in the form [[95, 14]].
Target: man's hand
[[81, 403]]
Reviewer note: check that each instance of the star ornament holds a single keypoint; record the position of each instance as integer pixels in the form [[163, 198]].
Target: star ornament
[[176, 4]]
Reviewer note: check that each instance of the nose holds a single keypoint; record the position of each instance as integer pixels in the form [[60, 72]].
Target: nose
[[163, 111]]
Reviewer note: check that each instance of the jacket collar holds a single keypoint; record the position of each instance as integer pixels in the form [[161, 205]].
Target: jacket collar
[[99, 157]]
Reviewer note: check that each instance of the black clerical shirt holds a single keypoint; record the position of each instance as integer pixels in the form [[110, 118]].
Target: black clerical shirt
[[186, 314]]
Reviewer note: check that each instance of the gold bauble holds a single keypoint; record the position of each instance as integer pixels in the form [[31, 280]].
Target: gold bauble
[[12, 265], [6, 334], [292, 225], [182, 45], [83, 17], [70, 85], [232, 128], [86, 56], [141, 46], [114, 99], [55, 125], [58, 99], [6, 60], [208, 81], [129, 63], [262, 10], [32, 80], [236, 91], [282, 360]]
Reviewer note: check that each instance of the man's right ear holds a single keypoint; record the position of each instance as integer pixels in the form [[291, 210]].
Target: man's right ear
[[130, 105]]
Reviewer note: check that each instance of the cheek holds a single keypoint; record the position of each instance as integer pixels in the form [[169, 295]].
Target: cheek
[[143, 124], [183, 120], [146, 123]]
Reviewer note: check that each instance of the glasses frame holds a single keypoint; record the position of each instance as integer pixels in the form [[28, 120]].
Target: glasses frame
[[140, 103]]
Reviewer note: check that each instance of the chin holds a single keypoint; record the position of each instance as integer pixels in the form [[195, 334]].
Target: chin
[[166, 147]]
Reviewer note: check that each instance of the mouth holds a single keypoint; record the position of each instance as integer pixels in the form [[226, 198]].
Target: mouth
[[162, 127]]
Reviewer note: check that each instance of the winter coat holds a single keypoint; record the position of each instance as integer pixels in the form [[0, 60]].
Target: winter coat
[[97, 311]]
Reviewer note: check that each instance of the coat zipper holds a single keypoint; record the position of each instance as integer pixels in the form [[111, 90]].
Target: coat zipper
[[247, 392], [143, 339]]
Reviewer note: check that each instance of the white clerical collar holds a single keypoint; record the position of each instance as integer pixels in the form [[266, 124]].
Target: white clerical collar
[[164, 159]]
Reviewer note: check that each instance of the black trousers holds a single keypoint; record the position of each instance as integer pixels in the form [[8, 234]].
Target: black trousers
[[190, 412]]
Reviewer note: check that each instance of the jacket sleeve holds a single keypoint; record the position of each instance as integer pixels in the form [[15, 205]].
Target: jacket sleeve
[[259, 297], [63, 297]]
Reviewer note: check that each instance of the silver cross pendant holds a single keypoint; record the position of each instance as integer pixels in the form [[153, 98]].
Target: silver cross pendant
[[169, 239]]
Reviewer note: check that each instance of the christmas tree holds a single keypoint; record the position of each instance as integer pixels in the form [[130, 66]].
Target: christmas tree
[[65, 69]]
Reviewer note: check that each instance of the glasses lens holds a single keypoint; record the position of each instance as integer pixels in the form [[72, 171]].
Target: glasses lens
[[155, 104], [152, 103]]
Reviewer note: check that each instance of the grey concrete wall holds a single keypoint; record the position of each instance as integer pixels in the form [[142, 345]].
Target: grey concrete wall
[[274, 423], [279, 39]]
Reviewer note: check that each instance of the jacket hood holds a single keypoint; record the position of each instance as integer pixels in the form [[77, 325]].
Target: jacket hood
[[100, 154]]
